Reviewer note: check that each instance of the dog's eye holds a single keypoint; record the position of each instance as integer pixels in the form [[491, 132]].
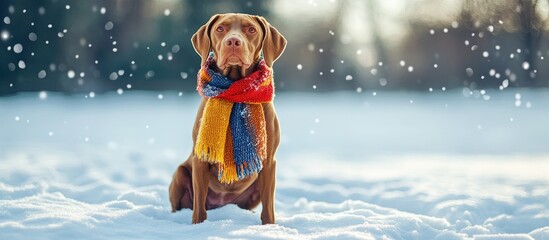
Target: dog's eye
[[251, 30], [220, 29]]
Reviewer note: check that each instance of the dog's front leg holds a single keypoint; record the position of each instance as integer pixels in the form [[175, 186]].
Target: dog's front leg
[[267, 178], [201, 181]]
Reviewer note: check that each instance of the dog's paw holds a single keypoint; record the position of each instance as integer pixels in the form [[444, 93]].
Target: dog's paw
[[199, 216], [267, 218]]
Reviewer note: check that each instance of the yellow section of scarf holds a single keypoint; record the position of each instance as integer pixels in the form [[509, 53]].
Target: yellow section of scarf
[[213, 134]]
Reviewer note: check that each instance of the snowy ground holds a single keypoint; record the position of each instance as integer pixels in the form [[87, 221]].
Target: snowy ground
[[353, 166]]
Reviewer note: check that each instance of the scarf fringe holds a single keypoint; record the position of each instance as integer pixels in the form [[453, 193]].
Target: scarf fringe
[[227, 170], [209, 154], [227, 173]]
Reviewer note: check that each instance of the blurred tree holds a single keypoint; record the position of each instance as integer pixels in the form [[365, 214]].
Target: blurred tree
[[531, 26], [328, 48], [379, 45], [521, 20]]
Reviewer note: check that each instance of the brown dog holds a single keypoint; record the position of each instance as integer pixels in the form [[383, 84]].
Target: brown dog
[[237, 41]]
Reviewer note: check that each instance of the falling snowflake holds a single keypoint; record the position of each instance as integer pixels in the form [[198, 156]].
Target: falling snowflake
[[18, 48], [113, 76], [71, 74], [5, 35], [525, 65], [22, 64], [42, 74], [109, 26]]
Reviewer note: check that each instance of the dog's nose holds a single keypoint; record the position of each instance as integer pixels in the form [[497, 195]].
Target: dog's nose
[[233, 41]]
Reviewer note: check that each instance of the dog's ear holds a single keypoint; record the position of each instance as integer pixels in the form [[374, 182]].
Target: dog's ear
[[201, 39], [273, 42]]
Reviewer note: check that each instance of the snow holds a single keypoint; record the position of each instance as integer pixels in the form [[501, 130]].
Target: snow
[[18, 48], [42, 74], [21, 64], [375, 167], [113, 76], [525, 65], [175, 48], [71, 74], [109, 25], [5, 35]]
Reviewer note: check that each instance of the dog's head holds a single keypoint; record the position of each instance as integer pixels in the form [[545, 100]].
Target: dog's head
[[237, 41]]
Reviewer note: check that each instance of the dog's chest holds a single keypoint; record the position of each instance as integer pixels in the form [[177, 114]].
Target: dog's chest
[[220, 194]]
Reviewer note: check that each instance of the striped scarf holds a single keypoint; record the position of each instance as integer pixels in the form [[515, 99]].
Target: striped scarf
[[232, 131]]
